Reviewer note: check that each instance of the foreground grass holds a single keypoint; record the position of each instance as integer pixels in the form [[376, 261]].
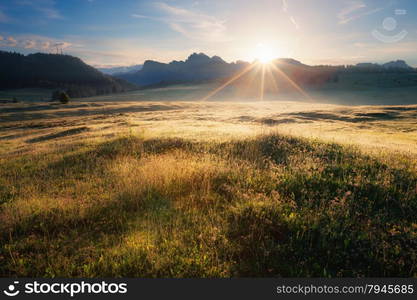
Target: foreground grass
[[266, 206]]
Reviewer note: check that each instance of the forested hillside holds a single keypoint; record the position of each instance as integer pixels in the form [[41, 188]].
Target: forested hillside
[[58, 71]]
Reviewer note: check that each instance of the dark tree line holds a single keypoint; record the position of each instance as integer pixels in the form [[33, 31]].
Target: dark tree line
[[63, 72]]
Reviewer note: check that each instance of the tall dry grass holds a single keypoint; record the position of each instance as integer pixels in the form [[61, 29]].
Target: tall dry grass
[[266, 206]]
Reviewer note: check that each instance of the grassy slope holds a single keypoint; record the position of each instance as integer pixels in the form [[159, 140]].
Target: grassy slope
[[265, 206]]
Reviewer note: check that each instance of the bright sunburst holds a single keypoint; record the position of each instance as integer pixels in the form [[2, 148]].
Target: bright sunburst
[[262, 72], [264, 53]]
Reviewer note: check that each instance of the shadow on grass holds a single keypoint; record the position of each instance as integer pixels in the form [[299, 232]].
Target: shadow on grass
[[291, 207], [100, 225], [365, 117], [26, 113], [53, 136]]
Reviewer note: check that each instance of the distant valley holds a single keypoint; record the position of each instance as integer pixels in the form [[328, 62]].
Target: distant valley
[[120, 70]]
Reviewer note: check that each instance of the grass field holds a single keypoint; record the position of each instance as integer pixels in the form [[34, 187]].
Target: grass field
[[207, 189]]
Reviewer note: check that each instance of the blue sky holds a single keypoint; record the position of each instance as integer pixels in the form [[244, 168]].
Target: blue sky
[[125, 32]]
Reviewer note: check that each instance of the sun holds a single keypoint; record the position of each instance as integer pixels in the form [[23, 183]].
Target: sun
[[263, 53]]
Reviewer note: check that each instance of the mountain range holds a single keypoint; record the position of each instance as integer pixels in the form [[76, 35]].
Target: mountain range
[[120, 70], [397, 65], [199, 67]]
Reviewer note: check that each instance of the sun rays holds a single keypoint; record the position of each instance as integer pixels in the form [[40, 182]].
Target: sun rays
[[267, 74], [262, 91], [292, 82], [262, 76], [231, 80]]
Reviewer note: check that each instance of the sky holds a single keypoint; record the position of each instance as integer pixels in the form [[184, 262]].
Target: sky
[[127, 32]]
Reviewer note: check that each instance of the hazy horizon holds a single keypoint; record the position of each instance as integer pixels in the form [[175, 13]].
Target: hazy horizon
[[230, 61], [233, 61]]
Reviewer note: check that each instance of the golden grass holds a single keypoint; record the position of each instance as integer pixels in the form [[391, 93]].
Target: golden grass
[[220, 197]]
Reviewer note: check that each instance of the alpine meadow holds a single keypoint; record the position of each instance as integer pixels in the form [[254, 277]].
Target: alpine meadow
[[184, 139]]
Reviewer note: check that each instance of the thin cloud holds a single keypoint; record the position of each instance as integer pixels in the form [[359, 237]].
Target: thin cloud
[[285, 6], [285, 10], [29, 44], [51, 13], [46, 7], [355, 10], [141, 16], [34, 42], [345, 14], [11, 42], [294, 22], [191, 24], [61, 45], [46, 45]]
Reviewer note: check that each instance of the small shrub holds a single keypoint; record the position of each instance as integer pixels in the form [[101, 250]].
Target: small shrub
[[60, 96], [64, 98]]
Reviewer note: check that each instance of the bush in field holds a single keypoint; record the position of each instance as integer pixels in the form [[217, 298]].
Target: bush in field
[[61, 96], [64, 98]]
